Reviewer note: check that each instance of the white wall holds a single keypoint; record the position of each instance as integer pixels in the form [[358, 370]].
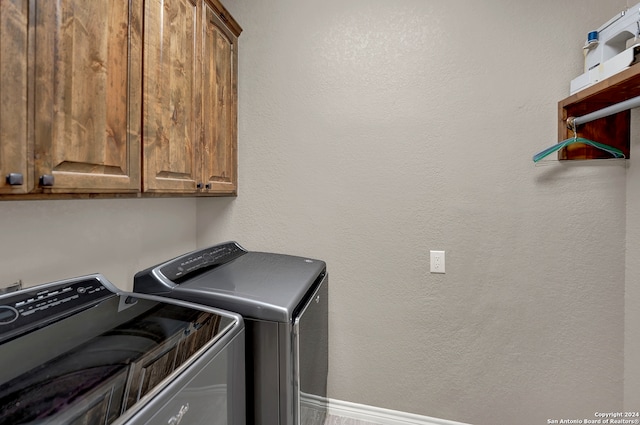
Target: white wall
[[44, 241], [632, 288], [373, 131]]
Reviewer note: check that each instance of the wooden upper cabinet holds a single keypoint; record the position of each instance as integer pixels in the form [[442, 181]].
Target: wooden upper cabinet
[[88, 95], [190, 98], [220, 100], [13, 96], [171, 96], [80, 115]]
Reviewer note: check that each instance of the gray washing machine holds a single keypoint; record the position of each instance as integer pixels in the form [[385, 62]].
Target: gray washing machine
[[80, 352], [284, 302]]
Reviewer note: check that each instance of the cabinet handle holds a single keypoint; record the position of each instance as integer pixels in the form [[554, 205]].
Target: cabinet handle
[[14, 179], [199, 186], [208, 186], [46, 180]]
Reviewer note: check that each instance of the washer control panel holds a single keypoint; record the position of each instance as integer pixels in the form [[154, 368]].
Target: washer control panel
[[188, 265], [28, 309]]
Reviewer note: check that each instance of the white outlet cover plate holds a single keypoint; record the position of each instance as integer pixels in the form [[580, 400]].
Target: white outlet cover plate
[[437, 263]]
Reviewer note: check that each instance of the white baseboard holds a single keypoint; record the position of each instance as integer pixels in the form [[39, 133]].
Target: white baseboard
[[373, 414]]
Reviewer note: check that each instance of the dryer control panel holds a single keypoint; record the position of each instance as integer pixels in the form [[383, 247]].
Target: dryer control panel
[[190, 264]]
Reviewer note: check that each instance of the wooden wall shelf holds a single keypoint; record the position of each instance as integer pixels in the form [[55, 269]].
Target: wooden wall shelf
[[614, 130]]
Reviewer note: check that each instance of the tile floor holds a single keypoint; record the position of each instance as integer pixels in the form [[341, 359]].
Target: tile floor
[[311, 416], [338, 420]]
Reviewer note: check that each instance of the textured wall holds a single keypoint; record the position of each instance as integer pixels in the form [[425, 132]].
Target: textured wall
[[44, 241], [373, 131], [632, 277]]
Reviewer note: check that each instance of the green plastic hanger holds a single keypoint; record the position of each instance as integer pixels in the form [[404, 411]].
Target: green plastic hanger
[[616, 153]]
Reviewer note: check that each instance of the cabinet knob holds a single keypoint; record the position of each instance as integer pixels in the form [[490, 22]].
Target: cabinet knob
[[14, 179], [207, 186], [46, 180], [199, 186]]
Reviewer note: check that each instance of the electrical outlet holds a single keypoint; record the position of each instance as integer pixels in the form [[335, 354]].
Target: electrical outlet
[[437, 261]]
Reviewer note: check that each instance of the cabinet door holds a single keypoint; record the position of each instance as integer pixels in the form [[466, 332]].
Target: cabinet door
[[13, 94], [219, 111], [171, 96], [87, 96]]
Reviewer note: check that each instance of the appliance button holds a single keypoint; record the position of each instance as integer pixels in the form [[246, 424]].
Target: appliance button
[[8, 314]]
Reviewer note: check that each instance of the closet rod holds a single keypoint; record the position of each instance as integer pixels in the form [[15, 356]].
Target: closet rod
[[605, 112]]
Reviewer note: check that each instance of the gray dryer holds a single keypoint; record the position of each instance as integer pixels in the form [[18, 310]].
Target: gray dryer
[[284, 302]]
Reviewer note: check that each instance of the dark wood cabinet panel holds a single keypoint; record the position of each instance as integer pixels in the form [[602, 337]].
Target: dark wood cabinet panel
[[220, 57], [87, 98], [13, 95], [171, 96]]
